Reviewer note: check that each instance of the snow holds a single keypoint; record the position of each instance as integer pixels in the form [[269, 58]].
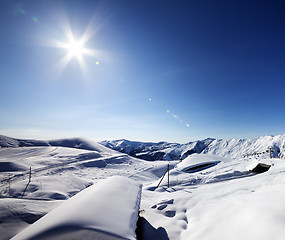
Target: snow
[[90, 211], [220, 199], [222, 202], [79, 143], [197, 159], [17, 214], [234, 148]]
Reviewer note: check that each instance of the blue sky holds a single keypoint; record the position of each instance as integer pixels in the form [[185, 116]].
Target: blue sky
[[160, 70]]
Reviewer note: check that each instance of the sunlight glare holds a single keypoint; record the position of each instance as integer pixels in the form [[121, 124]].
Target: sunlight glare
[[75, 48]]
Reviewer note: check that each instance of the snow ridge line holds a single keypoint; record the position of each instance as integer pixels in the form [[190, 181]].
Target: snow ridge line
[[6, 182], [40, 154]]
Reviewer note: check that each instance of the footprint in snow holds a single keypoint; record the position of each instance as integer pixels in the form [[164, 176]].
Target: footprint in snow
[[170, 213], [164, 204], [161, 207]]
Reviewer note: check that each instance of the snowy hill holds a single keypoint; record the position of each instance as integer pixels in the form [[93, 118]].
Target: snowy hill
[[150, 151], [57, 173], [79, 143], [227, 148], [85, 216], [213, 195]]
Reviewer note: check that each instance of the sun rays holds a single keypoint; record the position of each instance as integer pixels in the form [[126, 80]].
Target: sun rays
[[75, 49]]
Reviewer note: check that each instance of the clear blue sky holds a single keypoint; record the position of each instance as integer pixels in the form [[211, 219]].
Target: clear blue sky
[[160, 70]]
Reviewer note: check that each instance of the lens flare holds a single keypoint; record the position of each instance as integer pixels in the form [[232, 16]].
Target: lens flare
[[35, 19], [22, 11], [174, 116]]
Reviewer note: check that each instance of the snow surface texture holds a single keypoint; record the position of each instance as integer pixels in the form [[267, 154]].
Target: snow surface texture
[[221, 202], [57, 174], [110, 206], [210, 196], [79, 143], [234, 148]]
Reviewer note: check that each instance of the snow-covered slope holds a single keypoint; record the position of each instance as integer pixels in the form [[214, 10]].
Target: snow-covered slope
[[157, 151], [57, 173], [167, 151], [174, 151], [12, 142], [223, 201], [241, 147], [79, 143], [94, 213], [210, 196]]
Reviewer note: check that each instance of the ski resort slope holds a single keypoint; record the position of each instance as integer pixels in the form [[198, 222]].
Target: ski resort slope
[[208, 197]]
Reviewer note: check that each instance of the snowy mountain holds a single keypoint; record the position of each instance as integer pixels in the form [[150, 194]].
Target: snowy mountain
[[242, 147], [35, 179], [273, 146], [79, 143], [157, 151], [266, 145], [217, 194]]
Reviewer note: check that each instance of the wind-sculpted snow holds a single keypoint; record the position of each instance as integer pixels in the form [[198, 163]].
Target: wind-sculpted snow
[[109, 207], [213, 196], [11, 167], [11, 142], [224, 201], [57, 173], [79, 143]]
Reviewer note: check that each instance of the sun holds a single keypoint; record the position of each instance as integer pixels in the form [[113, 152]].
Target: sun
[[75, 48]]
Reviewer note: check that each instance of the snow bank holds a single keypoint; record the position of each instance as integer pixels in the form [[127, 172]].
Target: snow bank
[[198, 159], [107, 209], [80, 143]]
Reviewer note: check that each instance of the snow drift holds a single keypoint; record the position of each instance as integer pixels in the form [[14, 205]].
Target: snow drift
[[210, 196], [107, 209]]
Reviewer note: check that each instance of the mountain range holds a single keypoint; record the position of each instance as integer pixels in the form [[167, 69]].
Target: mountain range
[[214, 193], [273, 146]]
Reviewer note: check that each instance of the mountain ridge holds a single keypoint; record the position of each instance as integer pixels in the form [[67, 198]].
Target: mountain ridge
[[228, 148], [270, 146], [79, 143]]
